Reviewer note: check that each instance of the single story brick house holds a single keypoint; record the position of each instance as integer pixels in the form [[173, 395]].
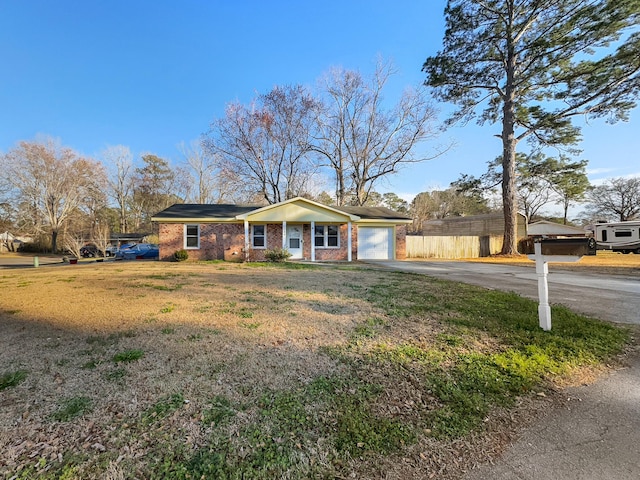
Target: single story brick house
[[307, 229]]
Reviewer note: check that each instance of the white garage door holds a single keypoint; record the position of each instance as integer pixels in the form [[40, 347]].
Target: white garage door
[[375, 243]]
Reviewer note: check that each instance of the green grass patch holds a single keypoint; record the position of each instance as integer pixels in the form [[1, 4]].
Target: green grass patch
[[11, 379], [469, 382], [128, 356], [369, 329], [72, 408], [250, 326], [220, 410], [284, 430], [163, 407], [282, 265], [115, 375], [169, 288], [168, 308]]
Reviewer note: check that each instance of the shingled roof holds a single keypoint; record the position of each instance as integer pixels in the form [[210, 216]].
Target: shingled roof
[[198, 210], [226, 211]]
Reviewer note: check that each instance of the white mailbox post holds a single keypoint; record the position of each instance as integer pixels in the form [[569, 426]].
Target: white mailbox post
[[542, 270]]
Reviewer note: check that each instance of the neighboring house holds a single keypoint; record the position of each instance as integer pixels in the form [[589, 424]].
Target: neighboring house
[[472, 236], [6, 242], [117, 239], [489, 224], [544, 228], [307, 229], [11, 243]]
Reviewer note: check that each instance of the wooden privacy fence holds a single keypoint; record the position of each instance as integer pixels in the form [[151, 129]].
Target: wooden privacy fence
[[453, 247]]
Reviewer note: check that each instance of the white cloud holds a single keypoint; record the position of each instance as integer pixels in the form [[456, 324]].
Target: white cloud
[[599, 171]]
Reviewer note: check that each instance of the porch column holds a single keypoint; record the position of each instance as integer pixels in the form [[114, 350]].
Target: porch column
[[246, 239], [313, 241], [349, 236], [284, 235]]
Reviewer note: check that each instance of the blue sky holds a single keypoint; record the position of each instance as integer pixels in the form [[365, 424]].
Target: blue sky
[[153, 74]]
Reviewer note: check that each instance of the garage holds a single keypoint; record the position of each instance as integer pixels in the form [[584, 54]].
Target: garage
[[375, 243]]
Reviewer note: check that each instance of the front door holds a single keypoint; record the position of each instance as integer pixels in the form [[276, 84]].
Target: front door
[[294, 240]]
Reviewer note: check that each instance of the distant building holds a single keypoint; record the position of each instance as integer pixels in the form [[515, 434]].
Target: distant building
[[544, 228], [488, 224]]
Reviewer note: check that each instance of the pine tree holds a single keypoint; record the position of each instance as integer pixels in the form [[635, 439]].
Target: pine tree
[[532, 66]]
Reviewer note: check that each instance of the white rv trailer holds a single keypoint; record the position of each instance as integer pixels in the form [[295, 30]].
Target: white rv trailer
[[618, 236]]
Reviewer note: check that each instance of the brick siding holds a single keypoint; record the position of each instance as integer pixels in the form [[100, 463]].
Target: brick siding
[[218, 241], [225, 241]]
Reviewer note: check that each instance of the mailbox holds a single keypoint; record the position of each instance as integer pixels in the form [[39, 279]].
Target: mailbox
[[578, 246]]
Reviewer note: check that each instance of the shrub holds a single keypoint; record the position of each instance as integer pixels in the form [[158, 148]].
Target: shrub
[[277, 255], [181, 255]]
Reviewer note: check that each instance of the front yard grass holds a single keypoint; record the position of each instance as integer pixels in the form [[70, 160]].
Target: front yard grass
[[340, 371]]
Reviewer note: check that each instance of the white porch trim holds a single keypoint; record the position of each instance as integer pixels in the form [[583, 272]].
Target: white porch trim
[[349, 239], [246, 239], [313, 241], [284, 234]]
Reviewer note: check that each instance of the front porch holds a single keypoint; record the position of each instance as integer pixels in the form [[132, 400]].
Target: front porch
[[311, 241]]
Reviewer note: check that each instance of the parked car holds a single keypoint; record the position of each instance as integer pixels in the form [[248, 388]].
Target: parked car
[[119, 251], [89, 251], [138, 251]]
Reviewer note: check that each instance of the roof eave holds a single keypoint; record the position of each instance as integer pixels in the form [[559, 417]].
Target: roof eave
[[243, 216], [193, 220]]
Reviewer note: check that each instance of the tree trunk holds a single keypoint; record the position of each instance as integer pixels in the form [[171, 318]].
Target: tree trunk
[[54, 241], [509, 194], [340, 190]]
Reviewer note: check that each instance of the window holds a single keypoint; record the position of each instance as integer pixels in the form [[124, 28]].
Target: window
[[192, 236], [326, 236], [623, 233], [259, 236]]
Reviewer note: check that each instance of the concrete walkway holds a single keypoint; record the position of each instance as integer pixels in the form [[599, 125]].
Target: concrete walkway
[[596, 436]]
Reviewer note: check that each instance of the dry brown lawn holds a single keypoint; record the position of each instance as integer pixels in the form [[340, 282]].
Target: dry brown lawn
[[204, 331]]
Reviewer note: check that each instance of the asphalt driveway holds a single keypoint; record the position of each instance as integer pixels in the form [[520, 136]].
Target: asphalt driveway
[[615, 298]]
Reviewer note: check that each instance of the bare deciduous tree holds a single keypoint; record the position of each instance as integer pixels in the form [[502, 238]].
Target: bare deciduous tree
[[618, 199], [439, 204], [52, 180], [362, 141], [119, 162], [267, 144], [212, 182]]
